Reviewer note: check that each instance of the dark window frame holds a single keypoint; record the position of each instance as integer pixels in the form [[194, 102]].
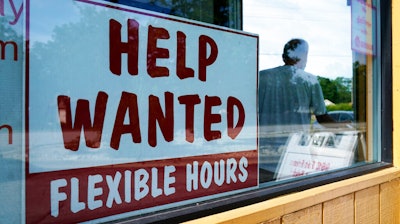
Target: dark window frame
[[221, 204]]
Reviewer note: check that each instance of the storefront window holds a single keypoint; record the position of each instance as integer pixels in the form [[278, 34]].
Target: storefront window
[[122, 109], [313, 61]]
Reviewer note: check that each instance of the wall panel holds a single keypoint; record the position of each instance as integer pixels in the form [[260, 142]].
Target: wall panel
[[339, 210], [367, 205], [390, 202], [311, 215]]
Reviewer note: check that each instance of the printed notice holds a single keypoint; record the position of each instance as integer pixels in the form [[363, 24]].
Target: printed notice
[[362, 24]]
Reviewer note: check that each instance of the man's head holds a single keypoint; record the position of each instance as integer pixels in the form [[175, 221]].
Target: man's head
[[295, 53]]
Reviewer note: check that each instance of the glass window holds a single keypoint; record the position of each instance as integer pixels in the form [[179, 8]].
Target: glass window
[[316, 61], [123, 109]]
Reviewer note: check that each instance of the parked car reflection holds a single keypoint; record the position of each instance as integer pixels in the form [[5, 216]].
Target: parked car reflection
[[342, 115]]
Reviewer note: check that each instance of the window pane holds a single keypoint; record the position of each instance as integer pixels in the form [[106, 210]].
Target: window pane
[[316, 64], [112, 111]]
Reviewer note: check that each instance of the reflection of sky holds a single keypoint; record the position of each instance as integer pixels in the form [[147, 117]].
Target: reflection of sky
[[48, 19], [325, 25]]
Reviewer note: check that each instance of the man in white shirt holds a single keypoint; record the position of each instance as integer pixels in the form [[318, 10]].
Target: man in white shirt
[[288, 96]]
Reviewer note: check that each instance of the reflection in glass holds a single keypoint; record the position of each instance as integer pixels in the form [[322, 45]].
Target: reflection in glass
[[342, 57], [218, 12]]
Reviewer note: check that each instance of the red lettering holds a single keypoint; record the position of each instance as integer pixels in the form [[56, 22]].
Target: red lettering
[[154, 52], [127, 120], [190, 101], [181, 70], [297, 173], [117, 47], [207, 48], [10, 132], [205, 61], [232, 103], [166, 122], [3, 46], [128, 104], [92, 133], [210, 118], [16, 14]]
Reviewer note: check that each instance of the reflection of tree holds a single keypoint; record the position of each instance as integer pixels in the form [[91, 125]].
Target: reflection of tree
[[65, 64], [337, 90], [210, 11], [8, 33], [11, 51], [63, 53], [197, 10]]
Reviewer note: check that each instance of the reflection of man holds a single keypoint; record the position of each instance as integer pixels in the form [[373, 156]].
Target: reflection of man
[[287, 97]]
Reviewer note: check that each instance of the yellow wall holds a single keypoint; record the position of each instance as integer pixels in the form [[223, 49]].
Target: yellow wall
[[372, 198], [396, 79]]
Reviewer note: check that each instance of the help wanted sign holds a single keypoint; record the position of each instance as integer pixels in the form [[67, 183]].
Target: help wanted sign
[[129, 111]]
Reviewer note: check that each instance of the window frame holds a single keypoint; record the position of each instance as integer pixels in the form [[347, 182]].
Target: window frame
[[268, 191]]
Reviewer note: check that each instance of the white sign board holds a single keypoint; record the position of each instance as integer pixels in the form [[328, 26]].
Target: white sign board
[[313, 153], [129, 110]]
